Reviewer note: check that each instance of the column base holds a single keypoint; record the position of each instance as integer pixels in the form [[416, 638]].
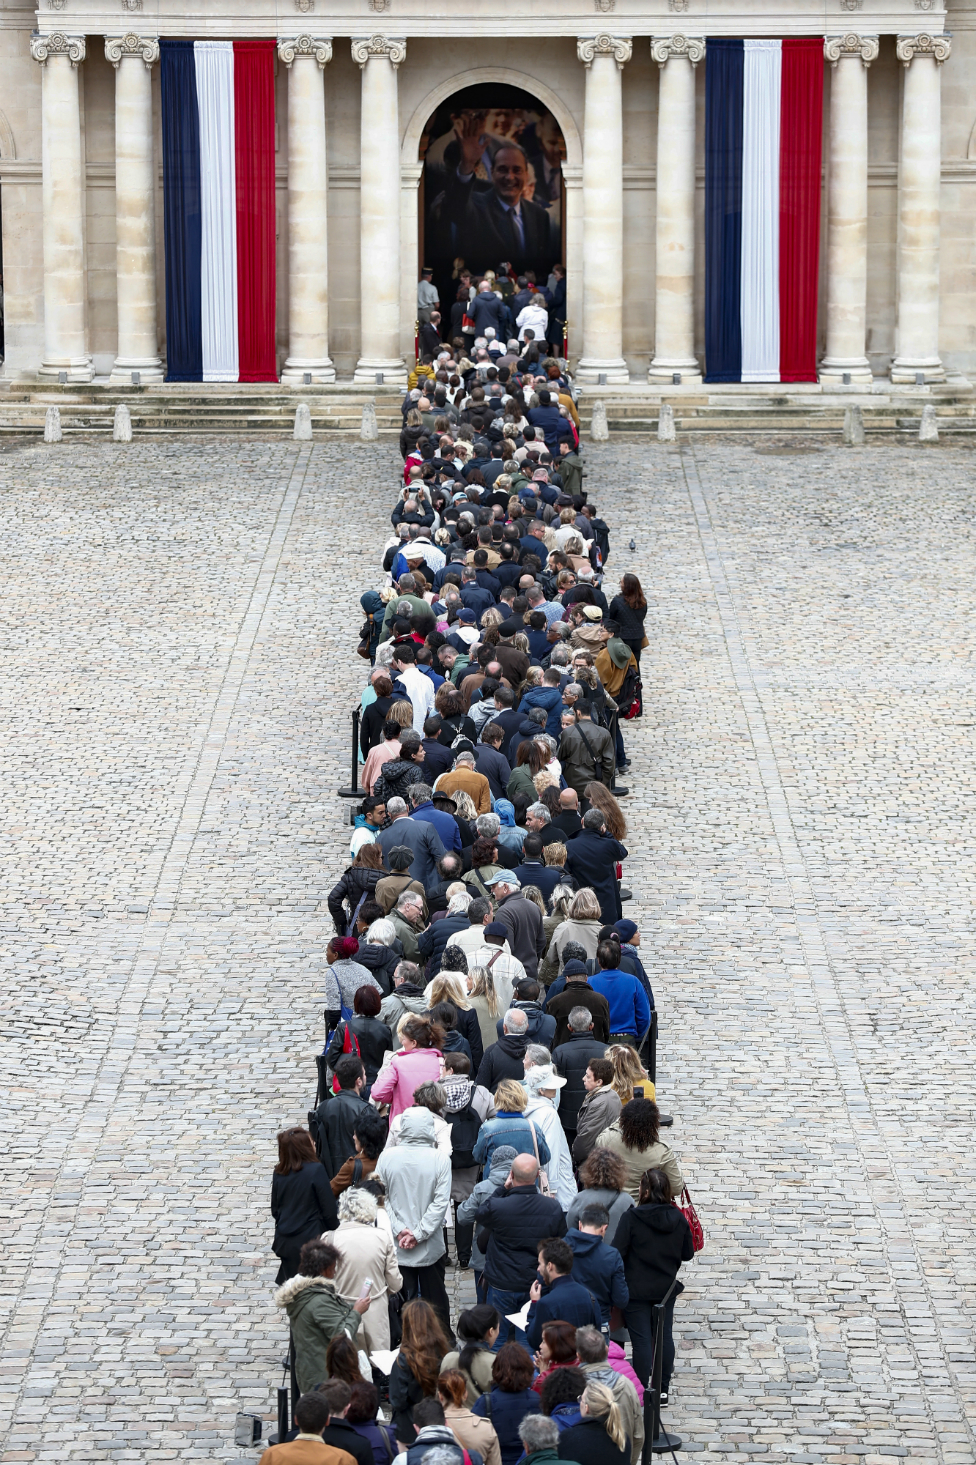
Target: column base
[[904, 370], [150, 370], [662, 370], [393, 369], [77, 369], [589, 369], [833, 369], [297, 368]]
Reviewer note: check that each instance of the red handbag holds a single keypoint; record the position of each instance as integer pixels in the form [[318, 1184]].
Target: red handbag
[[687, 1209]]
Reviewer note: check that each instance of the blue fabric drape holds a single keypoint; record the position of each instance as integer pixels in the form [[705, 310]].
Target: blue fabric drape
[[181, 211], [723, 210]]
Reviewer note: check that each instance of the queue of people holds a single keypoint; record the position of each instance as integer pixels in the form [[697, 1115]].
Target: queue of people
[[487, 1012]]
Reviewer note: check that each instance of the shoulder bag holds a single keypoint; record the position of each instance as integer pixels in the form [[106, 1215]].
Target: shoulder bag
[[687, 1209], [544, 1188], [597, 775]]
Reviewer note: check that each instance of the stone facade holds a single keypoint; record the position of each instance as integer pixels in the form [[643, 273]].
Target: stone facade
[[82, 251]]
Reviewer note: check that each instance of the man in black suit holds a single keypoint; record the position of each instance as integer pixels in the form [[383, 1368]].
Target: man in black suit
[[492, 222]]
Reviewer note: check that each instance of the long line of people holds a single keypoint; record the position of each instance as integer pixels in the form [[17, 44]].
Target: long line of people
[[487, 1013]]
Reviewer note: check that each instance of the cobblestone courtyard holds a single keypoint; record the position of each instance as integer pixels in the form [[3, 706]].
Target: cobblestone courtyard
[[178, 624]]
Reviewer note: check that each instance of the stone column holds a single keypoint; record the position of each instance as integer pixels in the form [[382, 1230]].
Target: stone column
[[674, 308], [847, 208], [308, 212], [919, 188], [603, 209], [135, 207], [63, 197], [379, 211]]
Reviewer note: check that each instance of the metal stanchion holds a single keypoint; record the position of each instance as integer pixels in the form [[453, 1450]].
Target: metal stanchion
[[657, 1441], [353, 791]]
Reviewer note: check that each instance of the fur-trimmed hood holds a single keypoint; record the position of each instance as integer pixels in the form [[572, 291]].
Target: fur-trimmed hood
[[298, 1284]]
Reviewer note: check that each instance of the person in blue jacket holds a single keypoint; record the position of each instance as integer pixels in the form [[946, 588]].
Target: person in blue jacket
[[597, 1266], [630, 1011], [566, 1299], [550, 698]]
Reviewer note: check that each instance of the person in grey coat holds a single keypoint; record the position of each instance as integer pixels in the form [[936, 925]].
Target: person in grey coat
[[417, 1178], [501, 1164]]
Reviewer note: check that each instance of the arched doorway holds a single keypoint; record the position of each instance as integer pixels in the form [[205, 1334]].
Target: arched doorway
[[492, 186]]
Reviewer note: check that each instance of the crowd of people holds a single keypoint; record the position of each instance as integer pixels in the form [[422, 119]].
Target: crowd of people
[[485, 1076]]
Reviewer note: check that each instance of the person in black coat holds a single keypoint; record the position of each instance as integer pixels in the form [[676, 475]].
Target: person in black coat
[[511, 1223], [359, 880], [337, 1115], [533, 870], [571, 1060], [577, 992], [629, 609], [437, 938], [302, 1202], [653, 1239], [591, 858], [504, 1059], [371, 725], [373, 1037], [600, 1437]]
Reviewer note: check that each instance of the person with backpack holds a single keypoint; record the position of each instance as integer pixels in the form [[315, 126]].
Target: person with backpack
[[362, 1415], [368, 1138], [362, 1034], [477, 1329]]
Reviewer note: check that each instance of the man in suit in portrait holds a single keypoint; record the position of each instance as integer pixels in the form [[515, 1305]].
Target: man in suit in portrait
[[493, 221]]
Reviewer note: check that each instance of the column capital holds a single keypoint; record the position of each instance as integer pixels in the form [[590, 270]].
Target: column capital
[[145, 47], [319, 47], [908, 47], [58, 44], [851, 45], [621, 48], [691, 47], [365, 48]]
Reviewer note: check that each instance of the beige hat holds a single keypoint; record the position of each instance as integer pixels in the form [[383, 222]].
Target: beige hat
[[593, 612]]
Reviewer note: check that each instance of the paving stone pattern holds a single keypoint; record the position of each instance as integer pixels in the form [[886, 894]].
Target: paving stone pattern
[[177, 624]]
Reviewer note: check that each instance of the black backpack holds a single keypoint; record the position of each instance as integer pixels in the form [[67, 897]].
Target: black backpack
[[465, 1128]]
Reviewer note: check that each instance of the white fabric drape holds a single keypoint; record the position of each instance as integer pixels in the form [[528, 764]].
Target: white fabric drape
[[759, 299], [214, 67]]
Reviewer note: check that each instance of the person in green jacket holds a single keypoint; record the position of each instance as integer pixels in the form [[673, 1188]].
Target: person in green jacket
[[316, 1312]]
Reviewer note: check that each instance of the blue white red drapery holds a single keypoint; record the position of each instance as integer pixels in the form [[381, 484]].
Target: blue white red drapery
[[219, 216], [763, 135]]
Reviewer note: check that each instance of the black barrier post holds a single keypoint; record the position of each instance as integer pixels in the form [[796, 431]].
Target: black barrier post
[[652, 1048], [353, 791], [657, 1441], [612, 730]]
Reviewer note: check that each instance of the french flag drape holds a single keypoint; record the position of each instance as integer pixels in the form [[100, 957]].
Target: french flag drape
[[763, 134], [219, 209]]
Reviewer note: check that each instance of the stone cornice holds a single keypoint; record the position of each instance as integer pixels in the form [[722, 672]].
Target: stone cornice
[[663, 48], [319, 47], [58, 44], [924, 44], [851, 45], [621, 48], [141, 46], [367, 48]]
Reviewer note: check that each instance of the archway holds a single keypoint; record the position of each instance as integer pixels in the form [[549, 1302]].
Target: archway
[[492, 186]]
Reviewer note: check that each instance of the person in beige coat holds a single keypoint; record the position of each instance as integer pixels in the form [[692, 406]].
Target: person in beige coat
[[583, 924], [633, 1138], [472, 1431], [366, 1250]]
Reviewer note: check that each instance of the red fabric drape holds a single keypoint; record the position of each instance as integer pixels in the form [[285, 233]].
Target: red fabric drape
[[254, 129], [801, 134]]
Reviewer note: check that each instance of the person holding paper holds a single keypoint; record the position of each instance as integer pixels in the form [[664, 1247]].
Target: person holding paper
[[564, 1299], [316, 1312]]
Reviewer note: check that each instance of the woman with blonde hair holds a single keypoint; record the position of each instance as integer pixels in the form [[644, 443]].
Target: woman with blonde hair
[[628, 1074], [451, 985], [484, 1001], [583, 924], [600, 1437], [510, 1127]]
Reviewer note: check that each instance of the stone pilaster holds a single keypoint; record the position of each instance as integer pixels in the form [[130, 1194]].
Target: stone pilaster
[[308, 213], [604, 57], [674, 309], [847, 208], [135, 206], [919, 188], [379, 210], [63, 198]]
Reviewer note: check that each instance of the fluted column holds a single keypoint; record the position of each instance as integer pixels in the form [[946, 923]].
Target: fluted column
[[847, 208], [674, 307], [308, 211], [135, 206], [919, 188], [63, 199], [379, 210], [604, 57]]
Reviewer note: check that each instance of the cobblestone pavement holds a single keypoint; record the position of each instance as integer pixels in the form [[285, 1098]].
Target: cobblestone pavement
[[176, 627]]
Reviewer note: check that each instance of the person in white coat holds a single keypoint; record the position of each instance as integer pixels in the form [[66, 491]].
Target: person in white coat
[[417, 1177], [542, 1084], [367, 1251]]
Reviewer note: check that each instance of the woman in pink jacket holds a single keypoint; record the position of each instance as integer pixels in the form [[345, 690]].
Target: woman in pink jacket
[[418, 1061]]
